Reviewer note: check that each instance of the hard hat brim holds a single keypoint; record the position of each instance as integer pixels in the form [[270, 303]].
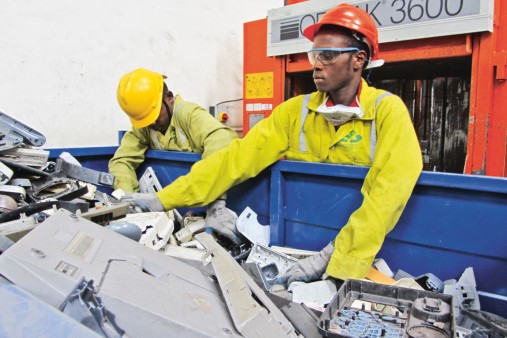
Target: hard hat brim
[[309, 32], [375, 63], [152, 117]]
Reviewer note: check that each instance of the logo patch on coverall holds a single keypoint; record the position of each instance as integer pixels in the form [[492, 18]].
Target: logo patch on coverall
[[351, 138]]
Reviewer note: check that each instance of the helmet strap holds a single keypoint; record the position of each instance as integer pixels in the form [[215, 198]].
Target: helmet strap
[[367, 78], [357, 36], [360, 38]]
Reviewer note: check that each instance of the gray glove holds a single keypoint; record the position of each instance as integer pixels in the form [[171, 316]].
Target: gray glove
[[222, 221], [308, 269], [147, 202]]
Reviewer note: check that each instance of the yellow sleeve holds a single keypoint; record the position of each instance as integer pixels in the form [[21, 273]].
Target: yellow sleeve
[[128, 156], [242, 159], [387, 187], [206, 133]]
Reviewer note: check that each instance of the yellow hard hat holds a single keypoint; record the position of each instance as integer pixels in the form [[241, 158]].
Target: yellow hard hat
[[140, 96]]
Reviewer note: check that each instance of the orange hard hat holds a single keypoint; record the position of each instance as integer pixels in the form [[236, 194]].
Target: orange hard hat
[[352, 18]]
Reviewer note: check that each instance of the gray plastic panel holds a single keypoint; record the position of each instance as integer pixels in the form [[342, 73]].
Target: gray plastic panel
[[149, 294]]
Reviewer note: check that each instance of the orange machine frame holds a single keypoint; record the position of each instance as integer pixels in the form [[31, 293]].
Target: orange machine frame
[[487, 130]]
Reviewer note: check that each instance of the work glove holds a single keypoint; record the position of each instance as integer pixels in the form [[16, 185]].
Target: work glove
[[146, 202], [307, 269], [222, 221]]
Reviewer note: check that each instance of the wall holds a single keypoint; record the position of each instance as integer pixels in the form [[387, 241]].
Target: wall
[[61, 60]]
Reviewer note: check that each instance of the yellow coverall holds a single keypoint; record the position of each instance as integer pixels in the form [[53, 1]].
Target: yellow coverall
[[191, 129], [396, 166]]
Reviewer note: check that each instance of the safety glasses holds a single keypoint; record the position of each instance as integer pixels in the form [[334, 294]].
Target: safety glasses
[[328, 56]]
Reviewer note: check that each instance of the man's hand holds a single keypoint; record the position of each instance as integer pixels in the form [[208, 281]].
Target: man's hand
[[308, 269], [147, 202], [221, 220]]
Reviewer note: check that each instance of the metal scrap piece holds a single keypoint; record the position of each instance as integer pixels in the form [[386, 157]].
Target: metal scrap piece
[[15, 230], [185, 234], [37, 158], [318, 293], [86, 307], [14, 133], [156, 227], [105, 214], [105, 199], [84, 174], [149, 183], [252, 317], [21, 182], [14, 191], [5, 173], [56, 186], [254, 270], [464, 292], [23, 169], [34, 208], [477, 323], [430, 282], [265, 256]]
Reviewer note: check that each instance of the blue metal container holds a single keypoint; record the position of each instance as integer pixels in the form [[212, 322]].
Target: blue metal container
[[451, 222]]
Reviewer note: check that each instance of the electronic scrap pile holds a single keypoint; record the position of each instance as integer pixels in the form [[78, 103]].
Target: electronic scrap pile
[[32, 187]]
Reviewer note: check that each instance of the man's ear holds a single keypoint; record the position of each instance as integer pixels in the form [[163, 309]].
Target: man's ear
[[169, 97], [359, 60]]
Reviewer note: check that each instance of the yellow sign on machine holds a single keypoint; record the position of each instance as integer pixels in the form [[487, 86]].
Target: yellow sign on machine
[[259, 85]]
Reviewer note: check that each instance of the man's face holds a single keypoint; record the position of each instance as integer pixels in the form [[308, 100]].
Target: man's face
[[337, 75], [162, 122]]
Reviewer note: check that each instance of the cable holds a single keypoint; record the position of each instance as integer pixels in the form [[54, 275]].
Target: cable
[[215, 107], [219, 103]]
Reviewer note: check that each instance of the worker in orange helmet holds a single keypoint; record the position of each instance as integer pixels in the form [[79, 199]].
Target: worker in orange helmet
[[345, 121], [163, 121]]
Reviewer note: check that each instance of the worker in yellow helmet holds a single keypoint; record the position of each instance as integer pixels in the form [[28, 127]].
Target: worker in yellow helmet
[[345, 121], [163, 121]]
